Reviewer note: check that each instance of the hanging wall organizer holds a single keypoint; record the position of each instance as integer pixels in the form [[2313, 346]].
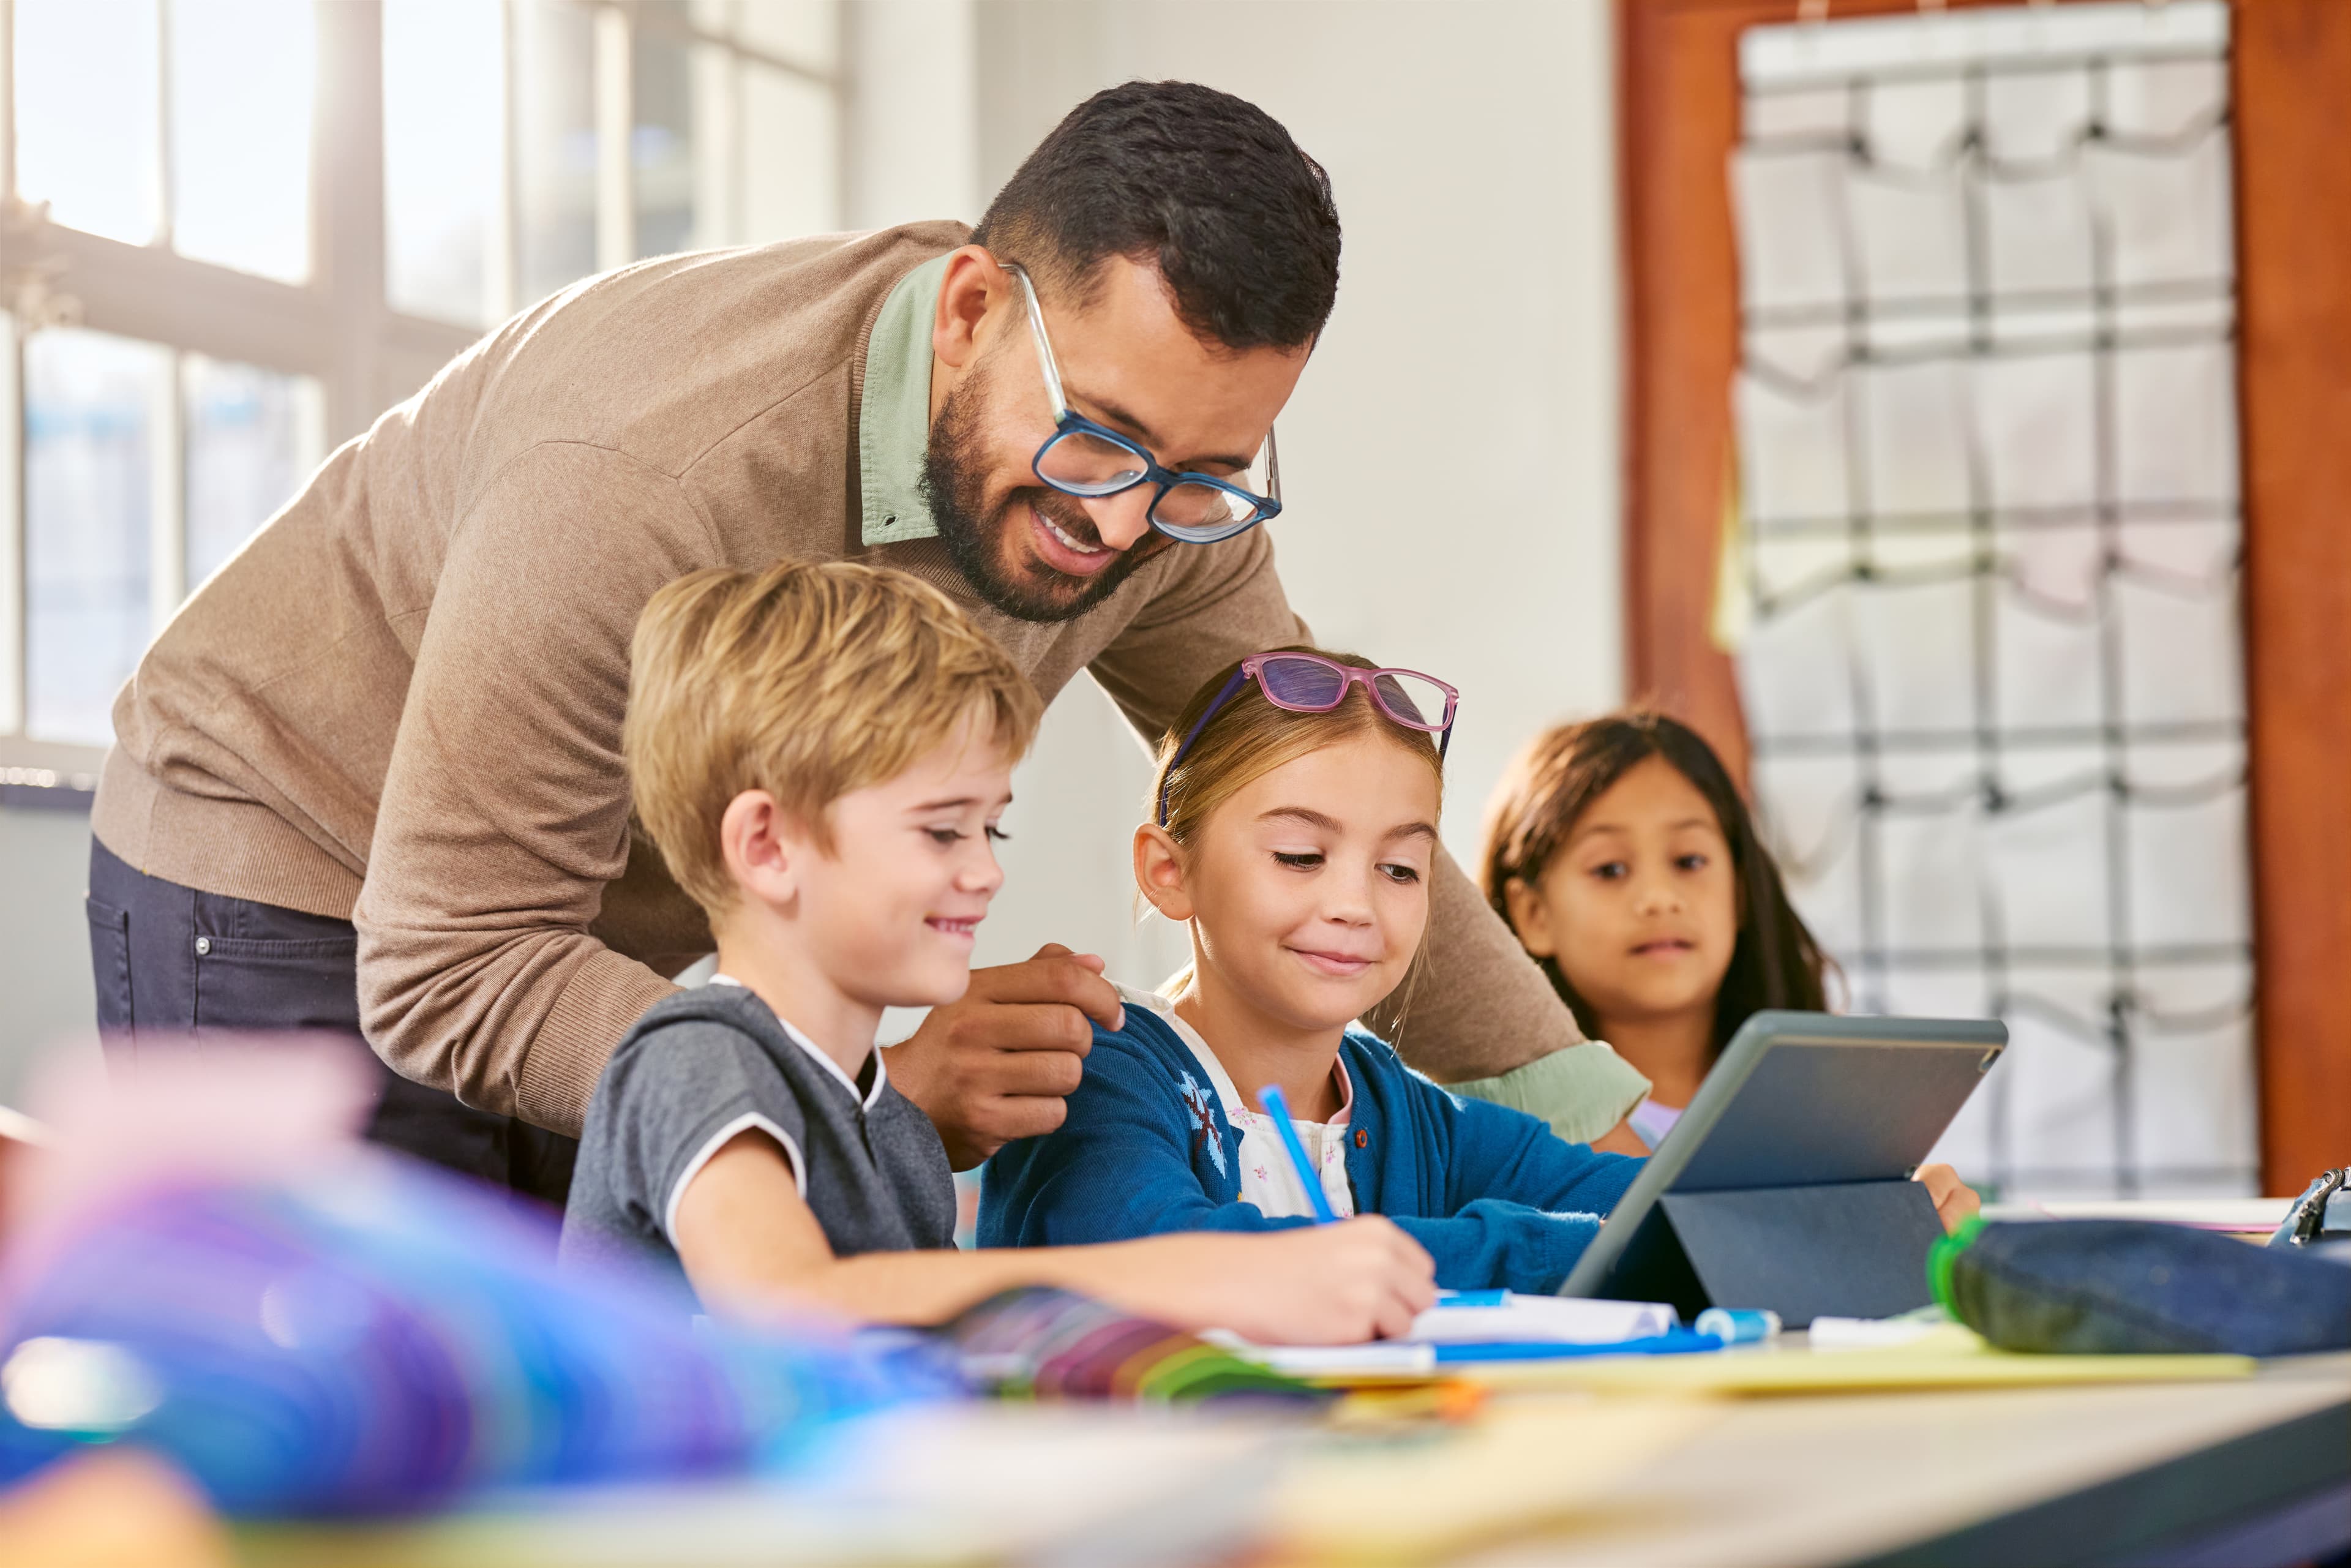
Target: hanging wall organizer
[[1986, 598]]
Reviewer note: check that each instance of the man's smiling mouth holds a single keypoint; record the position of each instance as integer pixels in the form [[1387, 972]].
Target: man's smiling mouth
[[1069, 539], [1062, 551]]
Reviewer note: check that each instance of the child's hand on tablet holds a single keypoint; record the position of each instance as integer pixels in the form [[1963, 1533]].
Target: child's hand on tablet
[[1954, 1200]]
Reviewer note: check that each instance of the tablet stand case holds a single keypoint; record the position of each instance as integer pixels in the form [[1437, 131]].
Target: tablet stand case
[[1854, 1250]]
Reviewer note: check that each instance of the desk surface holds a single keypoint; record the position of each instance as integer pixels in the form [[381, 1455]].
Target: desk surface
[[2012, 1477], [1992, 1475]]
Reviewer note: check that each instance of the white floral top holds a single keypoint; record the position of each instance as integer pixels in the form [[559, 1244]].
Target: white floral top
[[1265, 1177]]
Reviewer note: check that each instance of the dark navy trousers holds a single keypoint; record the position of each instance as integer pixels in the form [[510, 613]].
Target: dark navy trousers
[[172, 964]]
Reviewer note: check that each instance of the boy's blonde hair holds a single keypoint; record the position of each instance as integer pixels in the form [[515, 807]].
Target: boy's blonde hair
[[807, 680]]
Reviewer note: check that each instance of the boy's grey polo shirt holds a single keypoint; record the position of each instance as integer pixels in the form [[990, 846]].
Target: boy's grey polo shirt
[[707, 1064]]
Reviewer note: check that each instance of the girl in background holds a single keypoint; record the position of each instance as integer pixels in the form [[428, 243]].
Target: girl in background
[[1622, 854], [1624, 857]]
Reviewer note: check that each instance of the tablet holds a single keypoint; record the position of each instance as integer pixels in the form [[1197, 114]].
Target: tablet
[[1797, 1100]]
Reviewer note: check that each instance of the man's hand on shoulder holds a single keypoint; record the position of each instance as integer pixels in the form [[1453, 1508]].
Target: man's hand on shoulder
[[994, 1066]]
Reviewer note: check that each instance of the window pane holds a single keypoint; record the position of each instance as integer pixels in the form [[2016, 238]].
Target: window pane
[[91, 403], [790, 166], [253, 437], [554, 127], [86, 113], [801, 31], [662, 80], [242, 73], [444, 61]]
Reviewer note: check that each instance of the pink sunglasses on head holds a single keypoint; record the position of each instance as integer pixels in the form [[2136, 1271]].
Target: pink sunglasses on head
[[1308, 682]]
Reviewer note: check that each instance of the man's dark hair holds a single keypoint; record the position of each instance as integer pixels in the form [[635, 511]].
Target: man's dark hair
[[1207, 187]]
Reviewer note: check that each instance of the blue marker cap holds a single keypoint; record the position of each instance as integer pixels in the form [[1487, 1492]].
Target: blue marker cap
[[1737, 1326]]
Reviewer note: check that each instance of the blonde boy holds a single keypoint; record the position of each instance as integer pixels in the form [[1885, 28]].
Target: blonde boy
[[822, 752]]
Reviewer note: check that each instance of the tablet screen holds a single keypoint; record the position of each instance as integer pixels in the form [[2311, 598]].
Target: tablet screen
[[1804, 1100]]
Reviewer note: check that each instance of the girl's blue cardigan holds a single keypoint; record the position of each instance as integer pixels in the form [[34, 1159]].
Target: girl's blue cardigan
[[1496, 1198]]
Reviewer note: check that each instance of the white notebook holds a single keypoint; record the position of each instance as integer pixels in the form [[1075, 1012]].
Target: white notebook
[[1505, 1317]]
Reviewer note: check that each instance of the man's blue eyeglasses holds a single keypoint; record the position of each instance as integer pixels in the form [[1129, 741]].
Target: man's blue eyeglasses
[[1089, 460]]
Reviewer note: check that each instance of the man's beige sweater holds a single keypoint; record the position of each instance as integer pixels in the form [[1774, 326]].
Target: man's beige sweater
[[401, 704]]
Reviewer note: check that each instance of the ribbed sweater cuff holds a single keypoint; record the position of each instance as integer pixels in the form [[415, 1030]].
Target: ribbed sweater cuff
[[556, 1075]]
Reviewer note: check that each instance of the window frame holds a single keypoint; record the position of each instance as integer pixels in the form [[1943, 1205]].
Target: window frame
[[337, 327]]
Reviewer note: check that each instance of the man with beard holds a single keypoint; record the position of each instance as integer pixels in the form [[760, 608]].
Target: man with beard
[[369, 781]]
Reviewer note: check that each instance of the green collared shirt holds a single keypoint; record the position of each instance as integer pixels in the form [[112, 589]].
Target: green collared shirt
[[894, 418]]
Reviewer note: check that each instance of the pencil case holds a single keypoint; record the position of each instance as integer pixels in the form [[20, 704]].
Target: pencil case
[[2127, 1286]]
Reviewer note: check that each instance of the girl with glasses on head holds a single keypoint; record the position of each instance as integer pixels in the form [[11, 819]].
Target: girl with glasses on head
[[1293, 833], [1623, 856]]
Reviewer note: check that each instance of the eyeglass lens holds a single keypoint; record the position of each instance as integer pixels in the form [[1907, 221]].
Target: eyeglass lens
[[1085, 464], [1200, 506], [1307, 683]]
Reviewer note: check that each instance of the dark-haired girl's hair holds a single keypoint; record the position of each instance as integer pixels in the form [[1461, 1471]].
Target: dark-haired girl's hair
[[1775, 962]]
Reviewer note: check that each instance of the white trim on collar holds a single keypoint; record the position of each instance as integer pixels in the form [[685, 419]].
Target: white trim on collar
[[881, 1071]]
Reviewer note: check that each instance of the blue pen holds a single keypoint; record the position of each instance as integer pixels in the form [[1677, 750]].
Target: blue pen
[[1277, 1105]]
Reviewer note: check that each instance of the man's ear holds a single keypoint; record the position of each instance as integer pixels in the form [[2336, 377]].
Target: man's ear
[[973, 284], [1159, 873], [764, 847], [1529, 918]]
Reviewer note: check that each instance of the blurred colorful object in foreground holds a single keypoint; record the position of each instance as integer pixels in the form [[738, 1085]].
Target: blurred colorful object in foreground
[[201, 1260], [1039, 1343], [385, 1338]]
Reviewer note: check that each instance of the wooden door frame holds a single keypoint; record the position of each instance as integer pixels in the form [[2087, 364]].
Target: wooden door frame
[[1677, 117]]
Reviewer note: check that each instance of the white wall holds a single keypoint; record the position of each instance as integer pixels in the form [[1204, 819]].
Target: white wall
[[1449, 462], [913, 101]]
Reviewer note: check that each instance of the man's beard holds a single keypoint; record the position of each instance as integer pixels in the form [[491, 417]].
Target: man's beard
[[954, 483]]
